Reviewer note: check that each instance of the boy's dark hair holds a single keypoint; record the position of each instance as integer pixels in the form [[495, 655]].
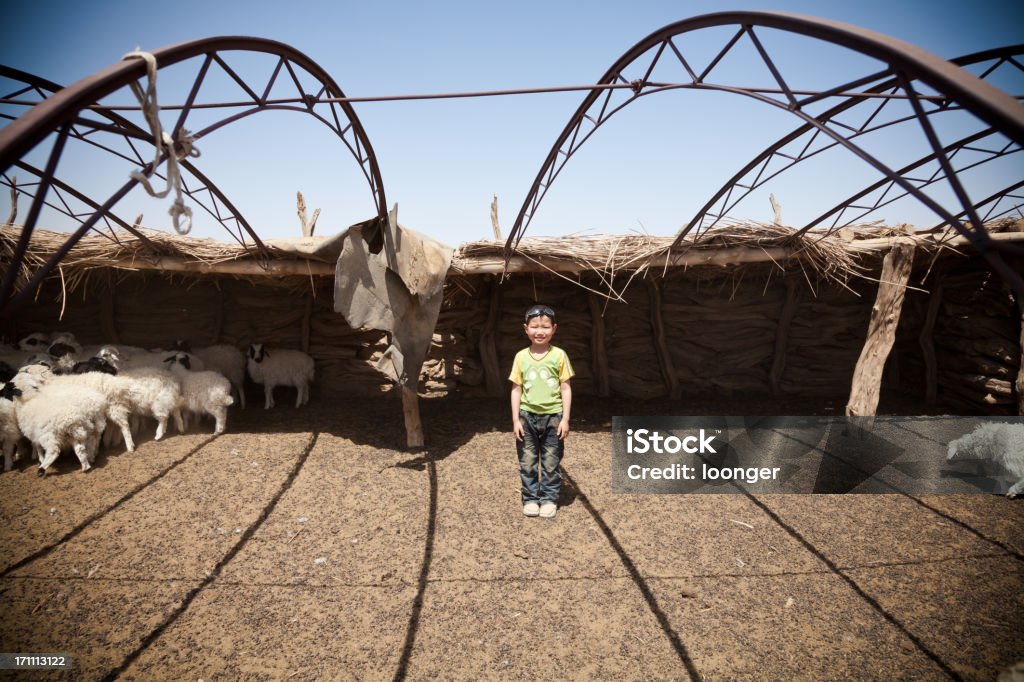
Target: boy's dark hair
[[540, 311]]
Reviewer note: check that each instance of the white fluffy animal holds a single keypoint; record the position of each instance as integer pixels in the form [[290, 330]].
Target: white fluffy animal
[[280, 367], [9, 432], [57, 417], [203, 392], [997, 441], [118, 392], [227, 360], [155, 393]]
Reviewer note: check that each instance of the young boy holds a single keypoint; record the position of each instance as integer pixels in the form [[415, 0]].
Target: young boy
[[541, 401]]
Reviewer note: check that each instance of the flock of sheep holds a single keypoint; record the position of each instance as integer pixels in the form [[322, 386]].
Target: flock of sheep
[[60, 395]]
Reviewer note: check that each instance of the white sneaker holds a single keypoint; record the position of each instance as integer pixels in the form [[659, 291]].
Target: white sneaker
[[531, 509], [547, 510]]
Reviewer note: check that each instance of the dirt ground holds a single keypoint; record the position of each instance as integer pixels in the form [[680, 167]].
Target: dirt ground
[[309, 545]]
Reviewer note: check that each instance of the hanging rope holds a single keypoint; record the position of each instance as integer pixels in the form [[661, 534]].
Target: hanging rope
[[177, 149]]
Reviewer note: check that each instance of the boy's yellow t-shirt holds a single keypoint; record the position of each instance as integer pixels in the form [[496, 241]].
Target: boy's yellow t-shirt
[[541, 379]]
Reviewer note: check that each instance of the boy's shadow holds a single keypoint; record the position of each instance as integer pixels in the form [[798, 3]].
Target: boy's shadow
[[569, 493]]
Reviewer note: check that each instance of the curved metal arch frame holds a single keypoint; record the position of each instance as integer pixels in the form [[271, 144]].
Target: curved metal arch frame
[[762, 161], [60, 112], [906, 63], [129, 131]]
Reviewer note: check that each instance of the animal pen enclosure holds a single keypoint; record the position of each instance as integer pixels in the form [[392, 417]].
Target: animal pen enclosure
[[312, 534], [746, 312]]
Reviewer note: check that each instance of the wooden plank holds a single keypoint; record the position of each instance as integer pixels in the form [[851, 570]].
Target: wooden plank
[[885, 317]]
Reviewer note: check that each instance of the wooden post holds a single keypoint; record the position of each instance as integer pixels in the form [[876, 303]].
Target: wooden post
[[927, 343], [488, 345], [413, 425], [793, 296], [494, 219], [668, 371], [885, 316], [598, 352], [14, 200]]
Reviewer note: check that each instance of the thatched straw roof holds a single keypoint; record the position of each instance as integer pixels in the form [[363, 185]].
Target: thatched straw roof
[[837, 256]]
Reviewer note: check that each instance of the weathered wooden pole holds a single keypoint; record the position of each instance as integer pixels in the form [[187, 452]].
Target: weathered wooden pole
[[413, 425], [885, 317]]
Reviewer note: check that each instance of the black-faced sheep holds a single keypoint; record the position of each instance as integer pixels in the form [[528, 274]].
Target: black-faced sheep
[[280, 367]]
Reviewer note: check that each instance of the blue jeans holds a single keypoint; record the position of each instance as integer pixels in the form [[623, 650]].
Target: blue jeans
[[540, 444]]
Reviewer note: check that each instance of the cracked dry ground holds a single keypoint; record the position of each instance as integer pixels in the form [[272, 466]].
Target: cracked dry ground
[[308, 545]]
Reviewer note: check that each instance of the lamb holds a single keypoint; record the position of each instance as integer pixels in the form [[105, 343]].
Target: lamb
[[56, 417], [202, 392], [280, 367], [1000, 442]]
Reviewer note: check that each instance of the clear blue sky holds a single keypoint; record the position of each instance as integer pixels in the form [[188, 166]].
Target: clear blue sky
[[650, 168]]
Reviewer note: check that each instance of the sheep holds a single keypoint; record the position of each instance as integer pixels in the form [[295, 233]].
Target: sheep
[[202, 392], [36, 342], [155, 392], [33, 343], [10, 434], [56, 417], [227, 360], [155, 358], [119, 392], [1000, 442], [280, 367]]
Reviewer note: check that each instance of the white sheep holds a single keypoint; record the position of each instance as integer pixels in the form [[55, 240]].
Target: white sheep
[[10, 434], [280, 367], [56, 417], [154, 392], [998, 441], [227, 360], [118, 392], [202, 392], [135, 358]]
